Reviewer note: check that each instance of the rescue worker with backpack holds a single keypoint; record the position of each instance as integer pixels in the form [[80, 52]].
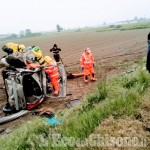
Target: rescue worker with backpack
[[51, 69], [87, 64], [10, 48], [56, 51]]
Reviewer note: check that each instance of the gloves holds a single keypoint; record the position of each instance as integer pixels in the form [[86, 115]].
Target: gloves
[[82, 68]]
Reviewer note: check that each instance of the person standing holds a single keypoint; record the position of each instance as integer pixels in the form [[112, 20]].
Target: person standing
[[87, 64], [56, 51]]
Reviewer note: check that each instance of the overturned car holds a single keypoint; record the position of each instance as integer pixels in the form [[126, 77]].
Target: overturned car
[[27, 88]]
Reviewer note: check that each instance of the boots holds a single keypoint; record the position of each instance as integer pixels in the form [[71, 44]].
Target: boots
[[56, 92], [93, 78], [85, 79]]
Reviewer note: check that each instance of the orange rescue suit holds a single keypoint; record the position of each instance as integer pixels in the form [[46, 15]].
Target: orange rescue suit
[[87, 62], [53, 73]]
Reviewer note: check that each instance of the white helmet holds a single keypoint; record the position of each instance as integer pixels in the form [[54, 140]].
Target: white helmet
[[88, 50]]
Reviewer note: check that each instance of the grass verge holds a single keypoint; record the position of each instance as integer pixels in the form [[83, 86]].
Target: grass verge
[[119, 97]]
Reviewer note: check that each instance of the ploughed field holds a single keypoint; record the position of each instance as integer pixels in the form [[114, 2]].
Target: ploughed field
[[103, 44]]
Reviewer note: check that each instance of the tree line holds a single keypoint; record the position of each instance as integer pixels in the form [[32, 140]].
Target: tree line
[[27, 33]]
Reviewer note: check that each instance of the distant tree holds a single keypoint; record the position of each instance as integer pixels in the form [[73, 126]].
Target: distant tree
[[28, 32], [112, 26], [118, 26], [59, 28], [135, 18], [21, 34], [13, 36]]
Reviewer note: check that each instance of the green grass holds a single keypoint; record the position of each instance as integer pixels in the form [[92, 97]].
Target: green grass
[[24, 137], [129, 26], [120, 96], [138, 25]]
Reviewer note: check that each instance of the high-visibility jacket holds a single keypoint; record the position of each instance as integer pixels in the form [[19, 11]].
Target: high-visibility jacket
[[13, 46], [87, 60], [38, 56], [53, 73], [52, 69]]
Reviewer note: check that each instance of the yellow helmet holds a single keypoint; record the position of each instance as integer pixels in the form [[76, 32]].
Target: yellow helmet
[[21, 47], [47, 59]]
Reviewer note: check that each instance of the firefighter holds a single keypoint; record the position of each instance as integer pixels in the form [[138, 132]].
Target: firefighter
[[56, 51], [87, 64], [10, 48], [53, 73], [38, 55]]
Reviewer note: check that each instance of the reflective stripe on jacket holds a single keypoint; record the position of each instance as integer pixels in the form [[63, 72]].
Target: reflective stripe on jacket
[[55, 50], [86, 60], [52, 69], [38, 56]]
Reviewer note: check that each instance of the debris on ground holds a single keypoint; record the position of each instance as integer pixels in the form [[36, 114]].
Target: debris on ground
[[53, 121], [46, 110], [74, 75], [73, 103]]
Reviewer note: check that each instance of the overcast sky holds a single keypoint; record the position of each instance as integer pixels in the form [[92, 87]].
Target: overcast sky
[[43, 15]]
